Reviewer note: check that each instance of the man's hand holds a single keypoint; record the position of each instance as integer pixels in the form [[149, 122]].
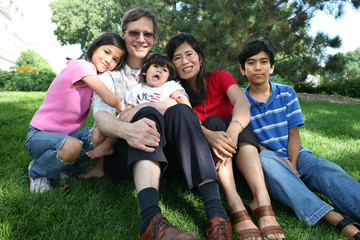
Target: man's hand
[[142, 135]]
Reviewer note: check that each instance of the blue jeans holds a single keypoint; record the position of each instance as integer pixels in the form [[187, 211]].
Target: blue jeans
[[318, 175], [44, 148]]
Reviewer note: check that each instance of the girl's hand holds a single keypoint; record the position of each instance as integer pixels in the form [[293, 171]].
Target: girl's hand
[[221, 144]]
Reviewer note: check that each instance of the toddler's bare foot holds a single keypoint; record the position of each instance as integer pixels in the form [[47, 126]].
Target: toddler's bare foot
[[100, 151]]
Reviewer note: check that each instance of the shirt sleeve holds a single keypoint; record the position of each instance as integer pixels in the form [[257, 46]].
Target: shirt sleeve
[[97, 102], [172, 86], [225, 80]]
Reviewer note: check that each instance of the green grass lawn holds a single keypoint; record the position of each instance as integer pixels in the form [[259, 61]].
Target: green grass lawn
[[108, 209]]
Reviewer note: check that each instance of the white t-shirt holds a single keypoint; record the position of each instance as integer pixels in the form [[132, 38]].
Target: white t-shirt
[[143, 94]]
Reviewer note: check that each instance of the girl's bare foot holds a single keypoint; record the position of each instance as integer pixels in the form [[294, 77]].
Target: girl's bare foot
[[93, 173], [96, 172]]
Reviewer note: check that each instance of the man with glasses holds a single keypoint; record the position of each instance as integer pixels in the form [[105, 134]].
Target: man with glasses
[[140, 151]]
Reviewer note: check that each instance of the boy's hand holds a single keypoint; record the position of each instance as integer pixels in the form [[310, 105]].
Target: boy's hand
[[291, 166]]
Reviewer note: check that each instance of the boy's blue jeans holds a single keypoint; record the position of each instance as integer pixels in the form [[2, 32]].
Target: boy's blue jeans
[[44, 148], [318, 175]]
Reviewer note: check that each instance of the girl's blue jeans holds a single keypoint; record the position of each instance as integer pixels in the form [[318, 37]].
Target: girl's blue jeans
[[317, 175], [44, 148]]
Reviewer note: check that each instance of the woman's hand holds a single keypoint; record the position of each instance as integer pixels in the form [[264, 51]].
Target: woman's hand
[[221, 144], [219, 163]]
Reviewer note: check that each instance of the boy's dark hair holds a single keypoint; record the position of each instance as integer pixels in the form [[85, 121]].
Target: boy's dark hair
[[108, 39], [162, 60], [135, 14], [254, 47]]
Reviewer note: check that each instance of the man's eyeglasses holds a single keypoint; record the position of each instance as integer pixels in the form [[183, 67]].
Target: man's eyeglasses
[[136, 34], [189, 55]]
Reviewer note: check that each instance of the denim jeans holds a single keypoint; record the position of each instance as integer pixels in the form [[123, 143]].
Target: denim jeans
[[44, 148], [318, 175]]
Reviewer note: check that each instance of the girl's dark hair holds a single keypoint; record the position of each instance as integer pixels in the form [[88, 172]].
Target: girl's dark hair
[[196, 96], [108, 39], [253, 47], [162, 60]]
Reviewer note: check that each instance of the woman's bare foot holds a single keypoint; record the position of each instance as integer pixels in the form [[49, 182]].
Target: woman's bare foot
[[267, 220], [246, 225], [100, 151]]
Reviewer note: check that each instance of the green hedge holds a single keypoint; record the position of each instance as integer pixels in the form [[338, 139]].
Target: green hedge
[[348, 88], [33, 80]]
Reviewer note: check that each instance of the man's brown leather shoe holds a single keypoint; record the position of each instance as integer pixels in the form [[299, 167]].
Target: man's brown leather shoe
[[218, 228], [160, 228]]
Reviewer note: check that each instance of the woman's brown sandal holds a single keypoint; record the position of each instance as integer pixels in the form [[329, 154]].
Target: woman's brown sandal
[[241, 216], [266, 231]]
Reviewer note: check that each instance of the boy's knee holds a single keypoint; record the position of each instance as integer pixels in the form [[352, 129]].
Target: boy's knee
[[71, 150]]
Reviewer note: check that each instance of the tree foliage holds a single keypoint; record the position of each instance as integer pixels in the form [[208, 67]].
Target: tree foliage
[[31, 60], [342, 67], [221, 26]]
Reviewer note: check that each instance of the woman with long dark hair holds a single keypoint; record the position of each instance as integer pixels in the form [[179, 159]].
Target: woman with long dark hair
[[224, 112]]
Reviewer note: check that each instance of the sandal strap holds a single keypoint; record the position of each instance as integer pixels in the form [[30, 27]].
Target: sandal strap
[[346, 221], [239, 216], [263, 211]]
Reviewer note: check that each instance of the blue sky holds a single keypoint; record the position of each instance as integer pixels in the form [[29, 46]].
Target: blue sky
[[346, 27]]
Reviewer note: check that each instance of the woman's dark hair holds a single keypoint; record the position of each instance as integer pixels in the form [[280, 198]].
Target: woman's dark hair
[[253, 47], [196, 96], [108, 39], [162, 60]]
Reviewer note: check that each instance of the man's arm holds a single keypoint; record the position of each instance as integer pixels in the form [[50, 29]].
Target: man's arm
[[294, 144], [141, 134]]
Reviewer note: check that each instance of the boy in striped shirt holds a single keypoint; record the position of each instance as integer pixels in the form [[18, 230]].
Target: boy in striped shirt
[[291, 171]]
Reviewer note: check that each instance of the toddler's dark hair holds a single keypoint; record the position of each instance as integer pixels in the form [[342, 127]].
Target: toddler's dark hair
[[162, 60]]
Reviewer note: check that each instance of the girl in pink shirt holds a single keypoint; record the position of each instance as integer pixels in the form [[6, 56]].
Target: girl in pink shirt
[[54, 140]]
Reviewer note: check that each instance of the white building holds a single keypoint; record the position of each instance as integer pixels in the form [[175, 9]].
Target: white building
[[26, 24]]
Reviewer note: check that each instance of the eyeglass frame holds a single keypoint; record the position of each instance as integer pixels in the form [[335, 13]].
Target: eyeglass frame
[[185, 56], [136, 34]]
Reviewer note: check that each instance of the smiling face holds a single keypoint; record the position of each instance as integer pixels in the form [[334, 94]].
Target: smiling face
[[258, 68], [139, 45], [106, 57], [156, 75], [187, 63]]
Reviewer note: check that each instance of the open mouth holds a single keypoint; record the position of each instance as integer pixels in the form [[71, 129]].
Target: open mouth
[[187, 69], [156, 77]]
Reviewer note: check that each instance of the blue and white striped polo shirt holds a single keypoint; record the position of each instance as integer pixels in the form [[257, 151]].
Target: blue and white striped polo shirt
[[271, 121]]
